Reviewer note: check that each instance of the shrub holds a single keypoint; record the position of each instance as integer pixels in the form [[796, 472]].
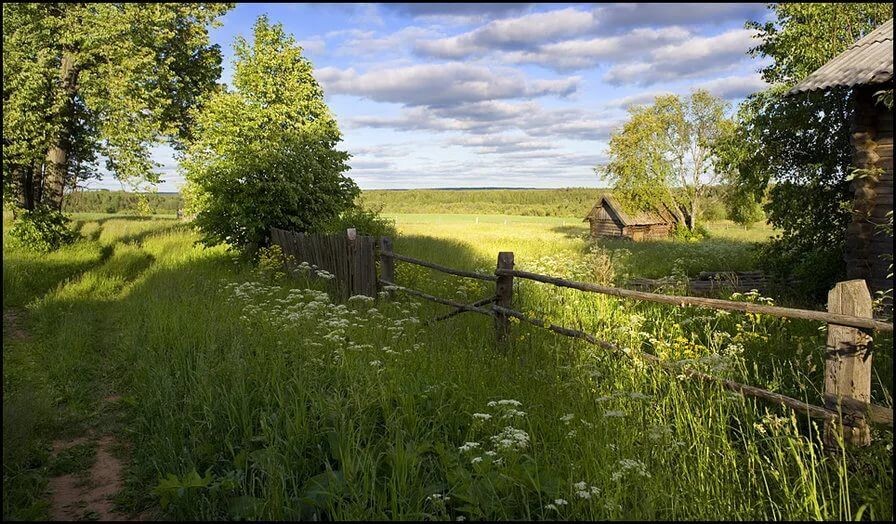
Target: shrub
[[682, 233], [365, 221], [41, 230]]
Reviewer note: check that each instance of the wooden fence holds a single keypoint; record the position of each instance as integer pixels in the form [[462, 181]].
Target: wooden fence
[[847, 409], [350, 258]]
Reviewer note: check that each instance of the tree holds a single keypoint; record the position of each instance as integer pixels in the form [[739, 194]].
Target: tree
[[264, 153], [664, 154], [82, 81], [797, 147]]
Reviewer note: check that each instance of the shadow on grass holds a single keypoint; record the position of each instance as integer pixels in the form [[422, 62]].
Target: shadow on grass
[[207, 391]]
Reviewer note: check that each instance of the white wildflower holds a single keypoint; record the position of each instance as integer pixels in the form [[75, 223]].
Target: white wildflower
[[468, 446]]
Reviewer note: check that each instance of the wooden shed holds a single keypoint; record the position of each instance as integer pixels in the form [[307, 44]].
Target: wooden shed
[[609, 219], [866, 67]]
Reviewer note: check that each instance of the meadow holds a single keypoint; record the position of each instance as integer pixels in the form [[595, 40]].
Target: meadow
[[236, 390]]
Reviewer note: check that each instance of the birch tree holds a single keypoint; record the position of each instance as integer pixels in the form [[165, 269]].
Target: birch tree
[[663, 154]]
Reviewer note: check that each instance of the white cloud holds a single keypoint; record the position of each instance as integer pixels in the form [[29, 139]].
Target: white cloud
[[582, 54], [697, 56], [440, 84], [513, 33]]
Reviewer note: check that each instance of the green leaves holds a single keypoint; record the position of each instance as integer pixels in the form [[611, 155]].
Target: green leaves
[[663, 154], [91, 80], [264, 154], [173, 487]]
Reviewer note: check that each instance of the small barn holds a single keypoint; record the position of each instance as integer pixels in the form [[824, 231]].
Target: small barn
[[866, 68], [609, 219]]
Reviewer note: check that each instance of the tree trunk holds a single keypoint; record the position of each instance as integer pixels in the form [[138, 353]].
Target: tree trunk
[[692, 222], [57, 155]]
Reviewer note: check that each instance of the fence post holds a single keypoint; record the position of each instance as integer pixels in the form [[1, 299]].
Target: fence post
[[847, 370], [503, 295], [387, 263]]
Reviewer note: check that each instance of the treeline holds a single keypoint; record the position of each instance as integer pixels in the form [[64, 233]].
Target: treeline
[[106, 201], [566, 202]]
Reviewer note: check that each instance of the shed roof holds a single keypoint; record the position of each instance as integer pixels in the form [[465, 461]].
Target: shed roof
[[660, 215], [868, 61]]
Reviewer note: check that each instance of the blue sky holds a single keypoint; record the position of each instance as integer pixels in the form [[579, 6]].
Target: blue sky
[[504, 95]]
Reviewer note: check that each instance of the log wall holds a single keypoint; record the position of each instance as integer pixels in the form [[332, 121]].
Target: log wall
[[872, 142]]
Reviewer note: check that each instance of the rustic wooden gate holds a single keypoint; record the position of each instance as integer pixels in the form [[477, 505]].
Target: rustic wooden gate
[[349, 257]]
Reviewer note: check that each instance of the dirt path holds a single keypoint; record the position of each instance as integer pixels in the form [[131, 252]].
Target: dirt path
[[88, 494], [13, 326]]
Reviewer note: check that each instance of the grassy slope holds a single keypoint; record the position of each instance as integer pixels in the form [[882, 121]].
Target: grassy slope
[[289, 410]]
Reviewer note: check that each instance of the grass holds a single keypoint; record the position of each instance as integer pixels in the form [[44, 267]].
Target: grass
[[534, 239], [249, 394]]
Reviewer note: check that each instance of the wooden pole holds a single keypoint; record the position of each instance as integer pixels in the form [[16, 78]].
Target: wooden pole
[[503, 295], [715, 303], [847, 370], [387, 263]]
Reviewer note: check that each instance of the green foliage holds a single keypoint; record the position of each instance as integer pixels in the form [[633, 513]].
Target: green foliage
[[365, 221], [797, 147], [89, 80], [742, 208], [682, 233], [105, 201], [264, 155], [42, 230], [664, 154]]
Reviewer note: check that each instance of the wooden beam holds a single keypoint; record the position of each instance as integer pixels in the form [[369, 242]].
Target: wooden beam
[[728, 305]]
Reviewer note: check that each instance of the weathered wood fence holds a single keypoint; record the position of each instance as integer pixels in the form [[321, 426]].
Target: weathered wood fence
[[350, 258], [847, 410]]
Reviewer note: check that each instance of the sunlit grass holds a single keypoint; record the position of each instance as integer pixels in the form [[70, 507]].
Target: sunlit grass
[[288, 406]]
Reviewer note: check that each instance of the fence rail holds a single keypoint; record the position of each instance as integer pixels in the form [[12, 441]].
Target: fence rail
[[847, 389], [438, 267], [715, 303]]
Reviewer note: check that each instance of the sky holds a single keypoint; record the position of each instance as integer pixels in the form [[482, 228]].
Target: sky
[[497, 95]]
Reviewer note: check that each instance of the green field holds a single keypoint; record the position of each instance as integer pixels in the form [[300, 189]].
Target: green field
[[563, 241], [235, 391]]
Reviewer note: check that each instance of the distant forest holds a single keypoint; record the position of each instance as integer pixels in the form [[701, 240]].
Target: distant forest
[[566, 202], [123, 202]]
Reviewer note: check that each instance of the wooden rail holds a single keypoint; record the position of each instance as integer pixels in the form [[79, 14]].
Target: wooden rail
[[443, 269], [743, 389], [715, 303], [848, 357], [447, 302]]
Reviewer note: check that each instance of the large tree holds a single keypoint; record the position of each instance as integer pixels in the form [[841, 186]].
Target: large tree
[[264, 152], [796, 148], [664, 153], [88, 80]]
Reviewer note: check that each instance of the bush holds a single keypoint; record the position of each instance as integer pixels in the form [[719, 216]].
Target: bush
[[365, 221], [41, 230], [682, 233]]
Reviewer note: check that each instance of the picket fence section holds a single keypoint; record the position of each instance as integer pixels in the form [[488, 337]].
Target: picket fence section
[[350, 258]]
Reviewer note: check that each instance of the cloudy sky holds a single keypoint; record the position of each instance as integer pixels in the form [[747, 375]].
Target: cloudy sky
[[502, 95]]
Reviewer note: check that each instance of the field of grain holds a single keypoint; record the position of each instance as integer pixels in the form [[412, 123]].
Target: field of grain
[[236, 391]]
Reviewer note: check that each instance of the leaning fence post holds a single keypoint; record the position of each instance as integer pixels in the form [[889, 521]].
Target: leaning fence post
[[847, 370], [387, 263], [503, 295]]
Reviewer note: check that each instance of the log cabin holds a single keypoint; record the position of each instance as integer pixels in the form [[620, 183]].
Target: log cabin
[[609, 219], [867, 69]]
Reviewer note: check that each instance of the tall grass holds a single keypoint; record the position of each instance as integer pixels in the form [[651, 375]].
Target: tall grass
[[250, 394]]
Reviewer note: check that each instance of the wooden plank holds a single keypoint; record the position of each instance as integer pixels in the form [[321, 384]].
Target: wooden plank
[[503, 295], [848, 361], [728, 305], [387, 263]]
